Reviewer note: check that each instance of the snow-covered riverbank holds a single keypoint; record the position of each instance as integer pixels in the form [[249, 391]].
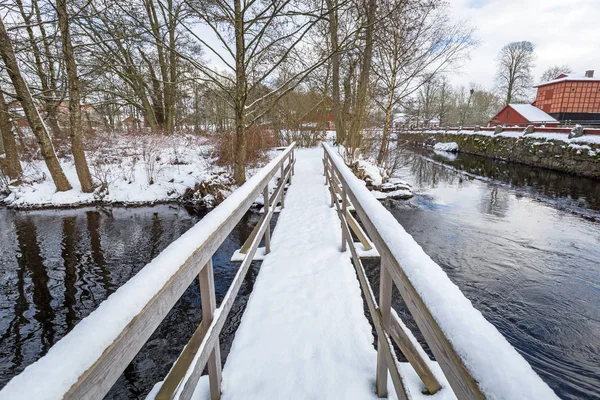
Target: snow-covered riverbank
[[129, 170]]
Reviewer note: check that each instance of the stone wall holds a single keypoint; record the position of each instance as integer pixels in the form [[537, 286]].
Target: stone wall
[[575, 158]]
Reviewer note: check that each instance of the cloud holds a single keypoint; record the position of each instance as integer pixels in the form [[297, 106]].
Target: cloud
[[564, 32]]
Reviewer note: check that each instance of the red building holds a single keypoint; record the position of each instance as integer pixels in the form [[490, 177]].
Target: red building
[[571, 98], [320, 116], [523, 115]]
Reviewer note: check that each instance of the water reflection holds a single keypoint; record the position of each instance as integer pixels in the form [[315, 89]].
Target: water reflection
[[530, 267], [56, 267], [564, 190]]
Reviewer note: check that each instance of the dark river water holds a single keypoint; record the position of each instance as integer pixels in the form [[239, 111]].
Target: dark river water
[[520, 250], [516, 241], [56, 267]]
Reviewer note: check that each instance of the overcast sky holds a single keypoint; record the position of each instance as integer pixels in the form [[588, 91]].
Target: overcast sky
[[563, 31]]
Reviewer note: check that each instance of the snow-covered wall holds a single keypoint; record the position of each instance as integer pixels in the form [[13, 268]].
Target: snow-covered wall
[[580, 156]]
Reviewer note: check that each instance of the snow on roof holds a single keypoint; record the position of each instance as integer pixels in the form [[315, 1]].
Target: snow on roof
[[532, 113], [568, 77]]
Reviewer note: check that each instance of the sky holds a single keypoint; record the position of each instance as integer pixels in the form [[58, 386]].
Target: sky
[[563, 31]]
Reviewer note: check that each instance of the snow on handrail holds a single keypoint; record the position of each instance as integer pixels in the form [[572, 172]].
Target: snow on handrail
[[477, 360], [89, 359]]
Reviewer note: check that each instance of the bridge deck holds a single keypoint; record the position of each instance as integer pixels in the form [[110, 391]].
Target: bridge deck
[[304, 333]]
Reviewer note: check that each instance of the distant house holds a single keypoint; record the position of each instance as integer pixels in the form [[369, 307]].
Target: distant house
[[571, 98], [523, 115], [92, 117], [321, 116], [131, 122]]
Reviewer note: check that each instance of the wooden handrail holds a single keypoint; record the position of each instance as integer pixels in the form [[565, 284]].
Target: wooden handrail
[[466, 382], [196, 357], [89, 371], [386, 359]]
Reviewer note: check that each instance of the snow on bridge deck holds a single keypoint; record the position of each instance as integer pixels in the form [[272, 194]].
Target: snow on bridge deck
[[304, 334]]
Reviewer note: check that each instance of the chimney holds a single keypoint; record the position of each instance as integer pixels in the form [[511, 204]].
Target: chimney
[[589, 73]]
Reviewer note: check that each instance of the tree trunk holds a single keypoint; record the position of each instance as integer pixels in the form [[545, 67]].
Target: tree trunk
[[390, 101], [170, 105], [386, 129], [355, 135], [11, 167], [338, 114], [37, 125], [239, 162], [75, 128]]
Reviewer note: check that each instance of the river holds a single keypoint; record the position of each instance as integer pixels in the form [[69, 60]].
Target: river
[[522, 245], [519, 241], [57, 266]]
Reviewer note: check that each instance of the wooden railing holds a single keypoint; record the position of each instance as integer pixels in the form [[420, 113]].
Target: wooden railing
[[203, 348], [385, 234], [75, 370]]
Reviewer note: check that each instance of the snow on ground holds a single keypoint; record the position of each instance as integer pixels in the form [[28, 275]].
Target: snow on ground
[[130, 170], [451, 147], [502, 373], [304, 334], [52, 375], [371, 172]]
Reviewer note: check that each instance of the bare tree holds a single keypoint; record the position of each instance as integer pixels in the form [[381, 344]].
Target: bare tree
[[29, 107], [514, 79], [353, 141], [466, 108], [415, 43], [75, 126], [42, 61], [554, 71], [253, 42], [445, 93]]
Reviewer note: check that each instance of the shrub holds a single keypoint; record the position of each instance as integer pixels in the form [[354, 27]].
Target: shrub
[[258, 140]]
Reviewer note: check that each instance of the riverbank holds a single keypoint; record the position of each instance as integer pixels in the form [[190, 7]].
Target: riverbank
[[578, 156], [130, 171]]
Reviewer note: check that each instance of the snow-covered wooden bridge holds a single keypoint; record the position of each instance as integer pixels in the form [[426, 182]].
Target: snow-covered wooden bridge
[[304, 334]]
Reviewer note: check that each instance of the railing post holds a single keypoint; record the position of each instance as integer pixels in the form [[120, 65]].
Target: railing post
[[385, 305], [268, 230], [291, 165], [344, 213], [294, 162], [209, 304], [282, 182], [330, 181]]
